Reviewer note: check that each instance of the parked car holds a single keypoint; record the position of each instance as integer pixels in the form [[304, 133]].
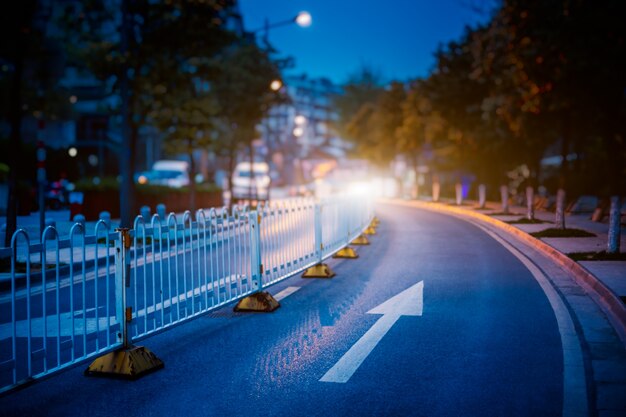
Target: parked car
[[251, 182], [166, 172]]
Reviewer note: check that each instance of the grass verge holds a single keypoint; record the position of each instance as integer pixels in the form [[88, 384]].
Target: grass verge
[[553, 232], [597, 256], [524, 220]]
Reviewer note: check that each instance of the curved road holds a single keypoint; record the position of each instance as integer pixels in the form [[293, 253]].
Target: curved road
[[484, 341]]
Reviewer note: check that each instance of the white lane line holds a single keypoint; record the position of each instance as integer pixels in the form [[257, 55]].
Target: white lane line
[[574, 377], [409, 302], [286, 293]]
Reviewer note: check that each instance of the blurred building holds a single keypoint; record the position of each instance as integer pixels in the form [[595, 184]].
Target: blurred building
[[297, 137]]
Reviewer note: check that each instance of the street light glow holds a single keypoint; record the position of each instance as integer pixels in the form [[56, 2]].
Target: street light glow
[[298, 131], [72, 152], [300, 120], [304, 19], [276, 85]]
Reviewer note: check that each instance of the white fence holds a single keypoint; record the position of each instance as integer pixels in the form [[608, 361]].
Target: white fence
[[66, 300]]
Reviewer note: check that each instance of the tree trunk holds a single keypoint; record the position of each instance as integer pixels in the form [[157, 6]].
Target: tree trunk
[[229, 178], [416, 189], [530, 203], [613, 245], [458, 190], [253, 188], [482, 196], [559, 220], [436, 188], [126, 157], [15, 121], [192, 182], [560, 194], [504, 196]]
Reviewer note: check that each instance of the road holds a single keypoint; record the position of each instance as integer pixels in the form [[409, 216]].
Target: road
[[434, 318]]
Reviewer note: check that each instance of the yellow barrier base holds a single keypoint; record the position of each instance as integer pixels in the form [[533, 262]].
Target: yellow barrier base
[[318, 271], [361, 240], [370, 231], [346, 252], [261, 301], [130, 363]]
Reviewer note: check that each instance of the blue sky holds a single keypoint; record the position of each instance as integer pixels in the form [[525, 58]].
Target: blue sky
[[395, 37]]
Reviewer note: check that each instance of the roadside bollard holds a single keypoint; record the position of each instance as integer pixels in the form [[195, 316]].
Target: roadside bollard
[[79, 218], [145, 212], [160, 209], [105, 216]]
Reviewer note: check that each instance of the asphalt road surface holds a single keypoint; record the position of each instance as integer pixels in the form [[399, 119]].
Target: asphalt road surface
[[434, 318]]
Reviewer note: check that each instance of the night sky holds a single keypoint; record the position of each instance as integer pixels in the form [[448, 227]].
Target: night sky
[[395, 37]]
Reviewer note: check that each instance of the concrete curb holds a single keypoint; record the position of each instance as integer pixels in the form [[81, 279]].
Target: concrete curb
[[608, 301]]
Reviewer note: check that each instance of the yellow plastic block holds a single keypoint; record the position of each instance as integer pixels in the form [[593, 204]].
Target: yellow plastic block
[[130, 363], [260, 301], [318, 271]]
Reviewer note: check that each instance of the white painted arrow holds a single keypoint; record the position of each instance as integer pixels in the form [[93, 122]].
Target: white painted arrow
[[409, 302]]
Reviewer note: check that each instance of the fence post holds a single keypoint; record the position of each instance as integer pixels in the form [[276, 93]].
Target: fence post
[[357, 207], [256, 266], [319, 270], [259, 300], [129, 362], [319, 243], [123, 314], [346, 251]]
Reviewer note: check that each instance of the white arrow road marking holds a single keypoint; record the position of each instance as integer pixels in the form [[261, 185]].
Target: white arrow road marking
[[409, 302]]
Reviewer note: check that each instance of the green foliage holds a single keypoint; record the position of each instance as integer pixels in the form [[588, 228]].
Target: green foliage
[[353, 106], [112, 184], [553, 232], [597, 256], [540, 76]]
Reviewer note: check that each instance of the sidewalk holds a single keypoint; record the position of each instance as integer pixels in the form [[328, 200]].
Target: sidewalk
[[62, 223], [610, 273]]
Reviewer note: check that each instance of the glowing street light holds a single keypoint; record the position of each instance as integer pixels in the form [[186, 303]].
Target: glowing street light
[[300, 120], [303, 19], [276, 85], [72, 152]]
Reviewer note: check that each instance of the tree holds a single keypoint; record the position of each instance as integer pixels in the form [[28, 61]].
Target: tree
[[419, 127], [242, 89], [30, 70], [359, 93], [163, 47]]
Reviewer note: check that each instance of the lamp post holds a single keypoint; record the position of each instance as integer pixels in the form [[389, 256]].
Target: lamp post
[[302, 19]]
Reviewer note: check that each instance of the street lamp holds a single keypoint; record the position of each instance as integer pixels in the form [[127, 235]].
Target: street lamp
[[276, 85], [302, 19]]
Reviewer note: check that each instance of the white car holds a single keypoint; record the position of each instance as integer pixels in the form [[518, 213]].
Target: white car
[[251, 184], [166, 172]]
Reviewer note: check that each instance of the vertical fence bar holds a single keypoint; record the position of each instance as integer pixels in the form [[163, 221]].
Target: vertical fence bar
[[122, 281], [256, 273], [319, 243]]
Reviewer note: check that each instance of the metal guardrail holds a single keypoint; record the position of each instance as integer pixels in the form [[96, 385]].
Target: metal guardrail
[[80, 297]]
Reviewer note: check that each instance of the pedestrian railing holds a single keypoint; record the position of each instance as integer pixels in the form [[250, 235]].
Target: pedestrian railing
[[67, 300]]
